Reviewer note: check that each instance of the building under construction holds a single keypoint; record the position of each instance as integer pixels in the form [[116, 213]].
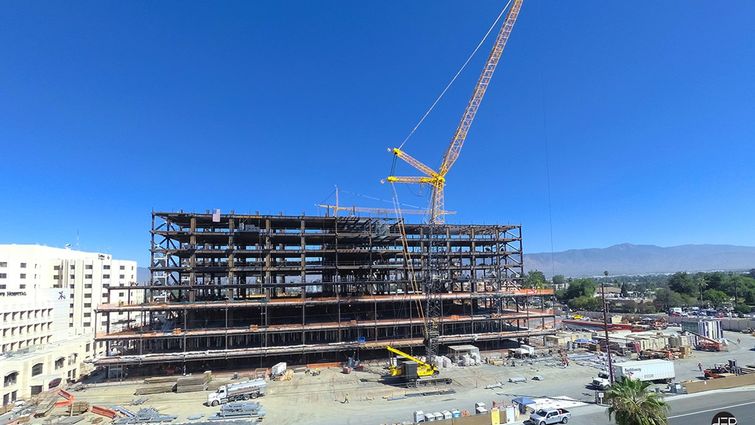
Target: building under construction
[[310, 288]]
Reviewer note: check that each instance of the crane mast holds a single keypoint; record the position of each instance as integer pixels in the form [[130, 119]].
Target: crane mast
[[436, 276]]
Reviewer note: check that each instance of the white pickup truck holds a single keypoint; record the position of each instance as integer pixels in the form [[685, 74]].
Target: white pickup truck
[[601, 382], [550, 416]]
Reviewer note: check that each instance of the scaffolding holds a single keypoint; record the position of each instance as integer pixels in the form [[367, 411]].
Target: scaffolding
[[234, 286]]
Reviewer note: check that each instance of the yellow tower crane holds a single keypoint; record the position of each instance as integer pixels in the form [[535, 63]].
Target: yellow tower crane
[[434, 280], [437, 179]]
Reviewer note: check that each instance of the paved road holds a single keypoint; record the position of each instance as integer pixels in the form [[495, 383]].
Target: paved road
[[697, 409]]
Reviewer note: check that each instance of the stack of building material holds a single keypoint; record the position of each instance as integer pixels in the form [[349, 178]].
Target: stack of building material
[[688, 340], [647, 342], [157, 385], [189, 384], [145, 416], [262, 372], [168, 387], [239, 410], [565, 339], [103, 411], [160, 380], [66, 420], [78, 407], [674, 341], [45, 406]]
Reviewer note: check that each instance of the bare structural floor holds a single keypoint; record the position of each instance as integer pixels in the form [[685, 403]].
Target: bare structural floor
[[232, 286]]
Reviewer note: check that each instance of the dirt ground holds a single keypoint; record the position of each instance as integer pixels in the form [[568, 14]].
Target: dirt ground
[[320, 399]]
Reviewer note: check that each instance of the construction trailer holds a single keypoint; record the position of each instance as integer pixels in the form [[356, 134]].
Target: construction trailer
[[308, 288]]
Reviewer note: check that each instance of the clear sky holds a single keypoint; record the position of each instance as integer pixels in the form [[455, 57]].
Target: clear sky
[[641, 113]]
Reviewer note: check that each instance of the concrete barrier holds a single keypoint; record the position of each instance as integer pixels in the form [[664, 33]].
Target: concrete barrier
[[489, 418], [720, 383], [736, 325]]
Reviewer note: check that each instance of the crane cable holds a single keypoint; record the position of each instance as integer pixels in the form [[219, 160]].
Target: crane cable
[[546, 150], [407, 255], [448, 86]]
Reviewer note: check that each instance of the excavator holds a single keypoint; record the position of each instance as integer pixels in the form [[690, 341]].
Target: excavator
[[412, 371]]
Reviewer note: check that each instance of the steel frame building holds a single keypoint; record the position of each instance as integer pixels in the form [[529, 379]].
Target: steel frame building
[[235, 286]]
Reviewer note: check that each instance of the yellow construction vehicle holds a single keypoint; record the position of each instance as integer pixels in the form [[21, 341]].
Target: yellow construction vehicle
[[412, 371]]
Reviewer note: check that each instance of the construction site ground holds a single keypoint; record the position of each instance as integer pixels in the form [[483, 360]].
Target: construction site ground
[[320, 399]]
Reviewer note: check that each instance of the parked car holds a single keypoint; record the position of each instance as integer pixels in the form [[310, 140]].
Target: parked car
[[550, 416]]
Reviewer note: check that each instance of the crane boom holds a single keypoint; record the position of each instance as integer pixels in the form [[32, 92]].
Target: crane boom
[[383, 211], [437, 179], [398, 352], [424, 369], [454, 149]]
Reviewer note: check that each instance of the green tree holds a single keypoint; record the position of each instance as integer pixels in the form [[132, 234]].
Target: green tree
[[716, 297], [624, 290], [749, 295], [558, 279], [683, 284], [631, 403], [646, 308], [666, 298], [700, 285], [742, 308], [560, 294], [715, 280], [580, 287], [534, 279], [585, 302], [624, 306]]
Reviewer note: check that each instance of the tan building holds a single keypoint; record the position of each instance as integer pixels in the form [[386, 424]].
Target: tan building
[[48, 302], [25, 322], [32, 370], [85, 279]]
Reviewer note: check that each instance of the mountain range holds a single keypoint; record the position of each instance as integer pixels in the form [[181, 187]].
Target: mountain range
[[629, 259]]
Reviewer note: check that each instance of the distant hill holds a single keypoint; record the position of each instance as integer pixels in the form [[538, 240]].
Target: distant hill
[[628, 259]]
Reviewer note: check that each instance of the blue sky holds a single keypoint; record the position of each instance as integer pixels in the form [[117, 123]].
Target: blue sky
[[641, 114]]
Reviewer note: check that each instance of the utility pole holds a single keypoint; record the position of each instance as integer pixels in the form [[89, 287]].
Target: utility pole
[[605, 325]]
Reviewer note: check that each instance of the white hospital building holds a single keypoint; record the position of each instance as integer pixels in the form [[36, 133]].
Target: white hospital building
[[48, 301]]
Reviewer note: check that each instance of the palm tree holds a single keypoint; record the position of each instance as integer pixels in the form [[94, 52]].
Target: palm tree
[[632, 404]]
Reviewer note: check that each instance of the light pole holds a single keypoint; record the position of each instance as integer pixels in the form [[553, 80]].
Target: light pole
[[605, 325]]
